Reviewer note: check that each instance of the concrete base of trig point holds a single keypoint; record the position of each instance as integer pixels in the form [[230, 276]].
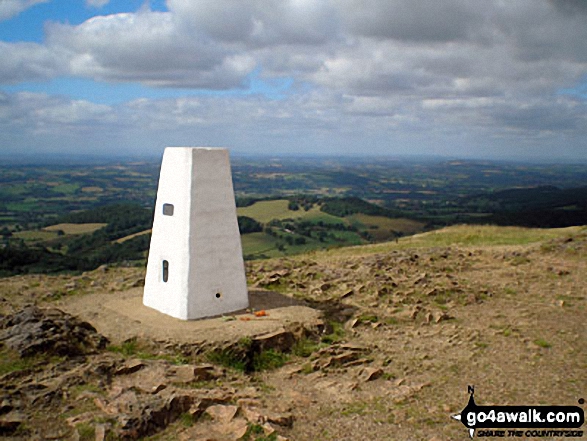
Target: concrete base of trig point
[[195, 267]]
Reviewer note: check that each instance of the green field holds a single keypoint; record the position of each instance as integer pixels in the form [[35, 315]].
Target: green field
[[383, 228], [75, 228], [467, 235], [266, 211], [24, 206], [486, 235], [35, 235], [376, 201], [65, 188], [257, 244]]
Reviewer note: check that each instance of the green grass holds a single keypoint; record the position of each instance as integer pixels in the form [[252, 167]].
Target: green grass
[[486, 235], [186, 419], [65, 188], [258, 243], [15, 189], [304, 348], [228, 358], [255, 432], [265, 211], [542, 343], [86, 432], [345, 238], [269, 360], [356, 408], [261, 245], [75, 228], [35, 235], [467, 235], [243, 359], [26, 205], [336, 333], [133, 348], [382, 228], [11, 362], [127, 348]]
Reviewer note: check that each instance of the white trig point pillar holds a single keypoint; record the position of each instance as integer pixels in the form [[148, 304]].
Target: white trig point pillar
[[195, 267]]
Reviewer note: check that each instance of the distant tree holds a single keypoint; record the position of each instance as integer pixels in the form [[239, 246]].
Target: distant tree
[[248, 225]]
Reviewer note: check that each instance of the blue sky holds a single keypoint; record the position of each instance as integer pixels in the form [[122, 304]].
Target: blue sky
[[491, 79]]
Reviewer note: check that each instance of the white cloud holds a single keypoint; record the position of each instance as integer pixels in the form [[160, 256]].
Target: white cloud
[[258, 23], [394, 69], [148, 47], [97, 3], [11, 8], [30, 62]]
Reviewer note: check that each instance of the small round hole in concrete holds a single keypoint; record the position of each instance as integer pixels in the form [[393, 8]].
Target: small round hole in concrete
[[218, 295]]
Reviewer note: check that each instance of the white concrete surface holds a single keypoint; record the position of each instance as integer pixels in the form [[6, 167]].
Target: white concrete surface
[[200, 241]]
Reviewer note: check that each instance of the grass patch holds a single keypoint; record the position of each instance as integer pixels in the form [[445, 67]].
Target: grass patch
[[128, 348], [86, 432], [336, 333], [269, 360], [255, 432], [359, 408], [236, 357], [383, 228], [132, 348], [244, 357], [542, 343], [75, 228], [259, 245], [81, 388], [307, 369], [304, 348], [186, 419], [487, 235], [265, 211], [67, 189], [35, 235], [10, 361], [467, 235], [368, 318], [229, 359]]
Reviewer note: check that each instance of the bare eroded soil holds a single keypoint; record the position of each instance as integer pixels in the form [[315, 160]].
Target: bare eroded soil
[[405, 332]]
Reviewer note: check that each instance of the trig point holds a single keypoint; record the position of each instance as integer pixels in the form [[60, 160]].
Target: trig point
[[195, 267]]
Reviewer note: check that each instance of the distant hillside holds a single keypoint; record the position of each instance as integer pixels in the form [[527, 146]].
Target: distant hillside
[[270, 227], [277, 227], [81, 252], [543, 207]]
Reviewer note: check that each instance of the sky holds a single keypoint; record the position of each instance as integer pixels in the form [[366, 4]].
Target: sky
[[491, 79]]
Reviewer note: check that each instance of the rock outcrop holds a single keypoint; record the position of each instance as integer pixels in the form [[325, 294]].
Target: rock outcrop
[[50, 331]]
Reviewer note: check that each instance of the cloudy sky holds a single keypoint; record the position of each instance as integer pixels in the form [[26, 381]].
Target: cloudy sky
[[461, 78]]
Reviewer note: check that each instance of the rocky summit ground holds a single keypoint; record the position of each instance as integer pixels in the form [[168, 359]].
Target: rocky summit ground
[[401, 330]]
